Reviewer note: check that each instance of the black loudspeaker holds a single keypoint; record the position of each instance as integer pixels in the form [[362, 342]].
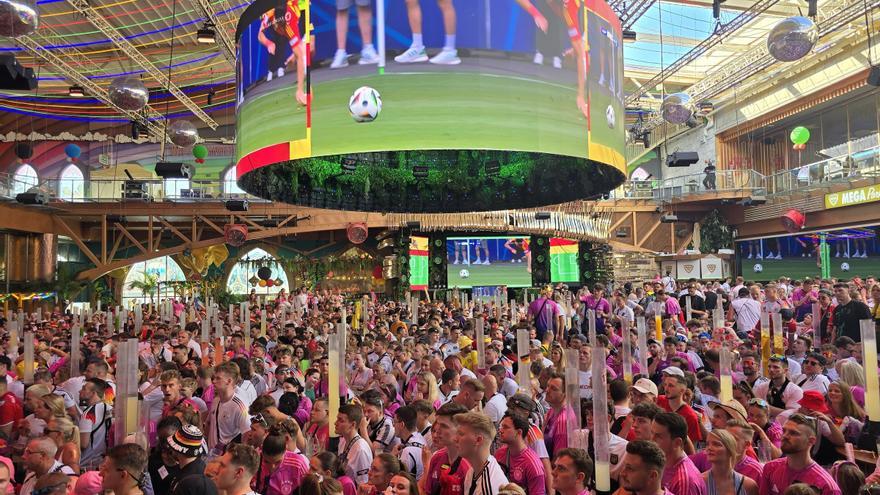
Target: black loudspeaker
[[33, 198], [682, 159], [540, 250], [174, 170], [437, 263], [13, 76], [874, 76], [402, 252], [585, 263], [24, 150], [237, 205]]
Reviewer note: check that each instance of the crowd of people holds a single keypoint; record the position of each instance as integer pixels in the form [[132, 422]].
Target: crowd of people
[[421, 413]]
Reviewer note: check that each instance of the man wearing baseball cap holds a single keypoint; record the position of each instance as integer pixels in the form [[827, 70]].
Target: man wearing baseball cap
[[643, 390], [813, 377], [675, 385]]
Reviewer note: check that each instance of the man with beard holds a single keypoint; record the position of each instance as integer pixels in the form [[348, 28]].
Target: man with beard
[[779, 392], [796, 465], [750, 369]]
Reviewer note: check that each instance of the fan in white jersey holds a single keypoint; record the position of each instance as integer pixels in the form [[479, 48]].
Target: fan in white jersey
[[475, 435], [228, 418], [405, 426], [355, 454]]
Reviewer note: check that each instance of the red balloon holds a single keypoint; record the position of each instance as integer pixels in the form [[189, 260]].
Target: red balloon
[[794, 220]]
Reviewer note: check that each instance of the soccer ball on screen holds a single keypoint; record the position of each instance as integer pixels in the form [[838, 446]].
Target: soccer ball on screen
[[610, 117], [464, 273], [758, 268], [365, 104], [844, 266]]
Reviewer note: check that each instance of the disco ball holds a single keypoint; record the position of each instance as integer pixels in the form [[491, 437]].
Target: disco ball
[[791, 39], [128, 93], [677, 108], [183, 133], [17, 18]]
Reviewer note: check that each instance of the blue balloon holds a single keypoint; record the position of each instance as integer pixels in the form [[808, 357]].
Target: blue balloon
[[72, 150]]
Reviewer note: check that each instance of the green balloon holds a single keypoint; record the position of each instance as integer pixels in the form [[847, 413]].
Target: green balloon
[[800, 135], [200, 151]]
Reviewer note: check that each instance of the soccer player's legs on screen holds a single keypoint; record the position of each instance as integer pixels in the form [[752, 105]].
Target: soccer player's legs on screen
[[483, 245], [571, 15], [365, 25], [416, 51]]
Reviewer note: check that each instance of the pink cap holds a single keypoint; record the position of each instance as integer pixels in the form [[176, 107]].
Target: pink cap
[[89, 484]]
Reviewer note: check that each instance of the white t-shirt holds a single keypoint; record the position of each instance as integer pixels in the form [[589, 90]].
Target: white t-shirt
[[154, 401], [748, 313], [15, 386], [818, 383], [93, 422], [791, 395], [509, 387], [195, 347], [247, 392], [356, 459], [585, 380], [495, 408], [226, 421], [411, 455], [486, 482]]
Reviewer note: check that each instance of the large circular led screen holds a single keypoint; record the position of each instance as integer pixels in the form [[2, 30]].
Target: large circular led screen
[[430, 106]]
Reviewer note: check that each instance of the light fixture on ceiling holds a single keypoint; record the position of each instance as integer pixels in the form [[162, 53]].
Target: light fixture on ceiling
[[211, 94], [76, 90], [629, 36], [139, 130], [206, 35]]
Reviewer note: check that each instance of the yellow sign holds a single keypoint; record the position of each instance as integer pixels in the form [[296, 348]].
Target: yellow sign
[[852, 197]]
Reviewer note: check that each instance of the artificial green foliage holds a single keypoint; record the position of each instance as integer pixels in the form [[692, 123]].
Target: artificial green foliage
[[455, 180], [715, 233]]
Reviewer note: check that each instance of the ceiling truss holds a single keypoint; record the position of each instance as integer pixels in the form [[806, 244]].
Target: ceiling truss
[[126, 47], [832, 17], [56, 58], [227, 47], [723, 32]]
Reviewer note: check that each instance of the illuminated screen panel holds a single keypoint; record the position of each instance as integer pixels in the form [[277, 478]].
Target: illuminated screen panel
[[479, 261], [852, 252], [494, 130], [563, 260], [418, 263]]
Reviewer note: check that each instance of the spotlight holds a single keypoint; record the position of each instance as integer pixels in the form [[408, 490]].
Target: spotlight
[[812, 8], [76, 90], [206, 34], [706, 107], [211, 94], [138, 130], [349, 164], [629, 36], [716, 9], [420, 171]]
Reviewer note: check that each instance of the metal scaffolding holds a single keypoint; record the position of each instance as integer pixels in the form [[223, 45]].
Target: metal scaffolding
[[630, 12], [56, 58], [126, 47], [227, 46]]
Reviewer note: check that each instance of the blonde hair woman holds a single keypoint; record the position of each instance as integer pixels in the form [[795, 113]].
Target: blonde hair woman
[[427, 389], [65, 434], [721, 478], [50, 406]]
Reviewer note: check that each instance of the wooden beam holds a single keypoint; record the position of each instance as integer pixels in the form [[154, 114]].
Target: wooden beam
[[176, 232], [211, 224], [116, 244], [104, 238], [131, 238], [250, 222], [82, 246], [619, 221], [286, 220], [648, 235], [150, 231]]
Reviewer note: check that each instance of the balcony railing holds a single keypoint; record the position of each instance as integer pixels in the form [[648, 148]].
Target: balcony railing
[[143, 190]]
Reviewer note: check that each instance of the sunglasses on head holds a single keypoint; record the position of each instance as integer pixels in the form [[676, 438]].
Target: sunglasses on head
[[759, 402]]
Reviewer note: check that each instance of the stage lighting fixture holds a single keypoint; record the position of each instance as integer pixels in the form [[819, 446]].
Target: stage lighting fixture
[[414, 225], [349, 164], [420, 171], [812, 8], [76, 90], [211, 94], [716, 9], [629, 36], [138, 130], [206, 34], [668, 218], [542, 215], [706, 107], [236, 205], [874, 76]]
